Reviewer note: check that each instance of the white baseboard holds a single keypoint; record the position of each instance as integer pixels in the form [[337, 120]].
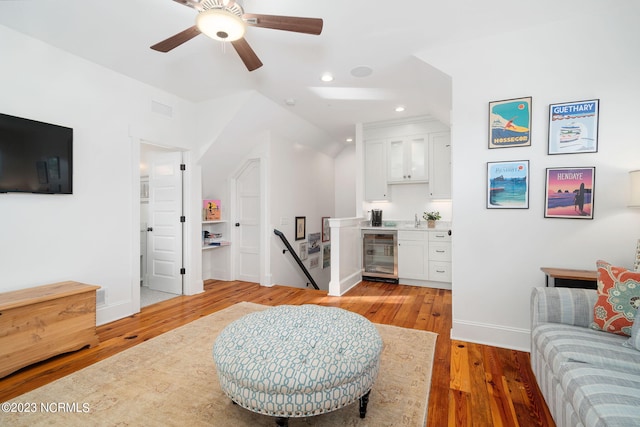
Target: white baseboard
[[345, 284], [425, 283], [111, 312], [494, 335]]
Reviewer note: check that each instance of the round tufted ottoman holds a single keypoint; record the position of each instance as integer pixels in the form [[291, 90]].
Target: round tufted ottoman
[[297, 361]]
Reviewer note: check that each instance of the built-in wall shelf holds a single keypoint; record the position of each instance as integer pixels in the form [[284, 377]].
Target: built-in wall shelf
[[204, 248], [214, 263]]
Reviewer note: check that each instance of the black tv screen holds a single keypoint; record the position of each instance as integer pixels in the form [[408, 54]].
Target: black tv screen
[[35, 157]]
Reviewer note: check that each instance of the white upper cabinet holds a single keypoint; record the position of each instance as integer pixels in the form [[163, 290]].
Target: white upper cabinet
[[375, 171], [407, 160], [440, 165]]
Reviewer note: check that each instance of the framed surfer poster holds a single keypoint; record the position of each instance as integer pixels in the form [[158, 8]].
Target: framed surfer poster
[[510, 123], [573, 127], [569, 193], [508, 185]]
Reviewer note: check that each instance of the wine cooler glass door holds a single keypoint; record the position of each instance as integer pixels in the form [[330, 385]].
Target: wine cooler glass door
[[380, 258]]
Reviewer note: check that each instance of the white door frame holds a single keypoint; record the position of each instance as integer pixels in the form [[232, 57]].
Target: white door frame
[[192, 220], [266, 230]]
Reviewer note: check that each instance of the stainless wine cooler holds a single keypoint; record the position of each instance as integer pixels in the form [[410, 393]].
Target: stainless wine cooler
[[380, 255]]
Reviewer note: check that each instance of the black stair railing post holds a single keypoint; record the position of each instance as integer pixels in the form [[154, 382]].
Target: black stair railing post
[[295, 257]]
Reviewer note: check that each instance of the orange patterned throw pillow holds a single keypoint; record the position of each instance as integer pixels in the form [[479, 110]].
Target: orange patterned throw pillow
[[618, 299]]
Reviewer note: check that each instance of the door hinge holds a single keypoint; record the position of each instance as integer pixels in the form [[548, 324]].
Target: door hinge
[[183, 218], [183, 167], [183, 270]]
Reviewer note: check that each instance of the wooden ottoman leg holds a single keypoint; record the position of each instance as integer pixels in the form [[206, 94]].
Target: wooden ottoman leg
[[364, 401], [282, 421]]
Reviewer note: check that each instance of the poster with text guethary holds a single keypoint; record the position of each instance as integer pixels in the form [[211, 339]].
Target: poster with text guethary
[[573, 127]]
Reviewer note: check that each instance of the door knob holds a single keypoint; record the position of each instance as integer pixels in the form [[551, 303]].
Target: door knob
[[237, 224]]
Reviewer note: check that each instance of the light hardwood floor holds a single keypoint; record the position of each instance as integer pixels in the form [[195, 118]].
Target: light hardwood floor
[[472, 385]]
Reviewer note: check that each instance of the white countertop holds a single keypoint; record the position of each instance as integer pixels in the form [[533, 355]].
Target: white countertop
[[408, 225]]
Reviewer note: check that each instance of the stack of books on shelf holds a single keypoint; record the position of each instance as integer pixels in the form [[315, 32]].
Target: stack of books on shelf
[[214, 239]]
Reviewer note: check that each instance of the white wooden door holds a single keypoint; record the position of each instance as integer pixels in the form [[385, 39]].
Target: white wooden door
[[248, 223], [165, 229]]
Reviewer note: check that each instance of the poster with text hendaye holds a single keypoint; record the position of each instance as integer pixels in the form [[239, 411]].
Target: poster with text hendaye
[[569, 192]]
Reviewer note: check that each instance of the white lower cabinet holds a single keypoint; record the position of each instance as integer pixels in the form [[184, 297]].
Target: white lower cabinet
[[413, 252], [424, 255], [440, 256]]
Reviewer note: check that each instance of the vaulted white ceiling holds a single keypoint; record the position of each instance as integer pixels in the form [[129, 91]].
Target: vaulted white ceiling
[[384, 36]]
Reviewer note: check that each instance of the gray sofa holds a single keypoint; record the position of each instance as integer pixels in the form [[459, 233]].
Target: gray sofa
[[587, 377]]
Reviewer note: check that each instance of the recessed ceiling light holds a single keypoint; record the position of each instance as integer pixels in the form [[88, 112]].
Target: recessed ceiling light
[[327, 77], [349, 139], [290, 102], [361, 71], [399, 108]]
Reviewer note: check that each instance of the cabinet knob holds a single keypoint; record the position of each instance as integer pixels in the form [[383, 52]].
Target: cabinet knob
[[149, 228], [237, 224]]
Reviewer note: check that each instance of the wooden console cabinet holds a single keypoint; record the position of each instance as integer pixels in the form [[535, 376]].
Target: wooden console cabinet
[[41, 322], [568, 278]]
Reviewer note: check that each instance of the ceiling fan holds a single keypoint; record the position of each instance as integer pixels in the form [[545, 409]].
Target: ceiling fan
[[225, 20]]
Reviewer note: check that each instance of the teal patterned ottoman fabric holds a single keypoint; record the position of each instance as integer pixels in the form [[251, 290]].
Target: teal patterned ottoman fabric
[[297, 361]]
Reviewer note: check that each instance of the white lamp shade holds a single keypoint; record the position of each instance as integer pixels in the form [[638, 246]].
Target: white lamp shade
[[220, 24], [634, 198]]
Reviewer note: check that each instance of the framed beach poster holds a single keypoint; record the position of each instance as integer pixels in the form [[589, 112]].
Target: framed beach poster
[[510, 123], [508, 185], [569, 193], [573, 127]]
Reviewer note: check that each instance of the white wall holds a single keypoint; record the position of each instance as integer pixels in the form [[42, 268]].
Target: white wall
[[89, 236], [497, 254], [345, 182], [302, 184]]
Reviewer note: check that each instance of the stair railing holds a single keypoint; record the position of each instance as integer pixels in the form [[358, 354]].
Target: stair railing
[[295, 257]]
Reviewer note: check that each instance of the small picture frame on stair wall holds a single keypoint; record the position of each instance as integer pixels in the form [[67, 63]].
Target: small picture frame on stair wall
[[304, 254], [301, 227]]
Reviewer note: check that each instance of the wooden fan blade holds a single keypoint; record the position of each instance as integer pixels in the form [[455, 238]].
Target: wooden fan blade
[[248, 56], [175, 41], [286, 23]]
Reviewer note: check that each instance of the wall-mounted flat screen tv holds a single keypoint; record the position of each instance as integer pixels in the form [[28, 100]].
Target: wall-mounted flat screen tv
[[35, 157]]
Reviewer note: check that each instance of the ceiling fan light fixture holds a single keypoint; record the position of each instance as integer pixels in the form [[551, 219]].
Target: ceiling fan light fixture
[[220, 24]]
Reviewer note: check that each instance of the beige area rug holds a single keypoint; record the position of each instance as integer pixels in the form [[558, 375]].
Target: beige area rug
[[170, 380]]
